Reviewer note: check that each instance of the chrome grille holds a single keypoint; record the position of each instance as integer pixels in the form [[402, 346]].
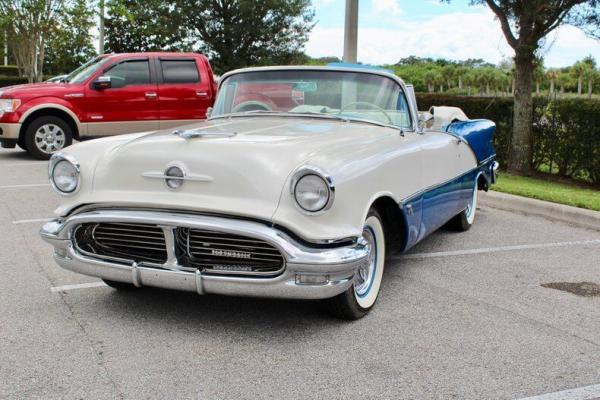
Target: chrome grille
[[122, 241], [224, 253]]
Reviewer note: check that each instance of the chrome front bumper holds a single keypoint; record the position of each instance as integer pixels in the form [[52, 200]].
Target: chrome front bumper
[[333, 268]]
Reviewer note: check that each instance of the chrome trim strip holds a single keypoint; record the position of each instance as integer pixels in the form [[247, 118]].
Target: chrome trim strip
[[193, 178]]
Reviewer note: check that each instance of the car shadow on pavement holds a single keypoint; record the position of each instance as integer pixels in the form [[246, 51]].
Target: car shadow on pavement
[[235, 313]]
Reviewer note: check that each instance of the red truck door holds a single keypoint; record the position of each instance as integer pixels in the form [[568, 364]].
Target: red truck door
[[129, 105], [185, 90]]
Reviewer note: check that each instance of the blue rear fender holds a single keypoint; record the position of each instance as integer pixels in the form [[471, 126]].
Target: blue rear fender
[[479, 134]]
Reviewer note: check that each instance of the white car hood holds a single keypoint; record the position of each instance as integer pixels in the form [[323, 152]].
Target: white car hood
[[248, 160]]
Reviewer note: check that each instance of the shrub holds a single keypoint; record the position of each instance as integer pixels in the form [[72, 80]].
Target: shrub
[[9, 70], [11, 80], [566, 132]]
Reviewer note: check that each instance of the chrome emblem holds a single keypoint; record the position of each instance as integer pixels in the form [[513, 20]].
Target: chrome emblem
[[174, 177], [231, 253]]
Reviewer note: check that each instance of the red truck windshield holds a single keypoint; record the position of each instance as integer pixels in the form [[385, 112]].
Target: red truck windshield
[[86, 70]]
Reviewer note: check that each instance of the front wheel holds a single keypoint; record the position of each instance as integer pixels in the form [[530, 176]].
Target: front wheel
[[358, 300], [47, 135]]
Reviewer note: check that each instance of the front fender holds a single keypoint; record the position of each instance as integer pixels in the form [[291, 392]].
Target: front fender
[[31, 106]]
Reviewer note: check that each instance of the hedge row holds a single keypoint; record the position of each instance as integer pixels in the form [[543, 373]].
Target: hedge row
[[566, 131], [11, 80], [9, 70]]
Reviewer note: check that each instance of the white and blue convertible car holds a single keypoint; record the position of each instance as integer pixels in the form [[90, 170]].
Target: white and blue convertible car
[[299, 185]]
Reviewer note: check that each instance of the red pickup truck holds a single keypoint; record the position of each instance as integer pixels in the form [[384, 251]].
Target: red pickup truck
[[110, 95]]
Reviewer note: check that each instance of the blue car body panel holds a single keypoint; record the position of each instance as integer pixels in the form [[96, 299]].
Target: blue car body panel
[[426, 211]]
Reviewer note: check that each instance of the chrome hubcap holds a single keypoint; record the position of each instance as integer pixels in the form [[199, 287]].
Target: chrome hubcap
[[366, 273], [49, 138]]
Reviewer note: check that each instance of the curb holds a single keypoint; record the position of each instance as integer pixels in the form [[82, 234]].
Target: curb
[[558, 212]]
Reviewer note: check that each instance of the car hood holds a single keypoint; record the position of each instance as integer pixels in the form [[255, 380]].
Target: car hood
[[235, 166], [36, 89]]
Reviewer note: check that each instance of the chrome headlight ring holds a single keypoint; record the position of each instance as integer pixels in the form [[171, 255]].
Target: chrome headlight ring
[[307, 171], [76, 171]]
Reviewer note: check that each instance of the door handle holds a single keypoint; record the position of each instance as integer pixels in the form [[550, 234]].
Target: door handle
[[200, 93], [151, 95]]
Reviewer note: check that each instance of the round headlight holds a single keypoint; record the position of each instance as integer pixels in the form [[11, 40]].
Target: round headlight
[[65, 176], [312, 193]]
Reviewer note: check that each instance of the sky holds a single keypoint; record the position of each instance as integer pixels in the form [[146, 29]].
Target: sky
[[392, 29]]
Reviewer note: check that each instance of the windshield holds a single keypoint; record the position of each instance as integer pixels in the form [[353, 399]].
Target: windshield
[[85, 71], [350, 95]]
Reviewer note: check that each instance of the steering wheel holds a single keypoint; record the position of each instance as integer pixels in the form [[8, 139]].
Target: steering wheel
[[365, 103], [251, 105]]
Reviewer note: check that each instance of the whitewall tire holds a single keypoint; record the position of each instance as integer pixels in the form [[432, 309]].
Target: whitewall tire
[[358, 300], [464, 220]]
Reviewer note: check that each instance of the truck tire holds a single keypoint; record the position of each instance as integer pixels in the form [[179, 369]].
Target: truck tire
[[46, 135]]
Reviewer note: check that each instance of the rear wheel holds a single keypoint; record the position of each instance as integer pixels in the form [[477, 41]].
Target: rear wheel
[[47, 135], [119, 285], [464, 220], [358, 300]]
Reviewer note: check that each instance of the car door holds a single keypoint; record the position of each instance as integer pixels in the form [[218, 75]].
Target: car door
[[184, 90], [129, 105]]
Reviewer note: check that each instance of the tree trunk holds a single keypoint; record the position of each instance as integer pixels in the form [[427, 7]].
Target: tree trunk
[[590, 88], [537, 88], [579, 85], [460, 85], [551, 87], [441, 88], [521, 153]]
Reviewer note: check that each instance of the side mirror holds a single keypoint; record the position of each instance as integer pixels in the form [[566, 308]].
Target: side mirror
[[103, 82], [425, 120], [209, 112]]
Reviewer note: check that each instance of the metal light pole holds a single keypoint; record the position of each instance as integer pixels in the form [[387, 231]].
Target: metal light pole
[[351, 31], [101, 35]]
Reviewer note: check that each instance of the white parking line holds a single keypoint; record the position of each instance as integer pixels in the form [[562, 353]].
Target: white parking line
[[30, 221], [591, 392], [496, 249], [64, 288], [29, 185]]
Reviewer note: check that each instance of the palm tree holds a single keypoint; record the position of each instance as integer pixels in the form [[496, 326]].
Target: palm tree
[[430, 78], [538, 76], [591, 75], [552, 75]]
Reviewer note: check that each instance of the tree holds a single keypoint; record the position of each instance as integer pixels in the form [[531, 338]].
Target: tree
[[430, 78], [538, 75], [525, 25], [70, 43], [28, 24], [239, 33], [144, 25]]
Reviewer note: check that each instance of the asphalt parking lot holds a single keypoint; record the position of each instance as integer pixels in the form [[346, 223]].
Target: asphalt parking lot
[[464, 316]]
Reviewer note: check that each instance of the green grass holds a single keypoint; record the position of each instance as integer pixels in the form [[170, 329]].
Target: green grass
[[542, 189]]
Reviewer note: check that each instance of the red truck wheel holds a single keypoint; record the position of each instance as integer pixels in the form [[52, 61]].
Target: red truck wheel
[[47, 135]]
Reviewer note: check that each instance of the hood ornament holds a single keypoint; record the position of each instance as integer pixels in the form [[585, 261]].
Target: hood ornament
[[195, 133], [175, 175]]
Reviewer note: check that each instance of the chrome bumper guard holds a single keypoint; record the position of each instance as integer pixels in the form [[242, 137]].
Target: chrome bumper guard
[[310, 272]]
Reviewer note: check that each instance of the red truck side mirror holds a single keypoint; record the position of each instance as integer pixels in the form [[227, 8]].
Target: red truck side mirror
[[103, 82]]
